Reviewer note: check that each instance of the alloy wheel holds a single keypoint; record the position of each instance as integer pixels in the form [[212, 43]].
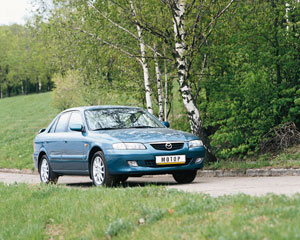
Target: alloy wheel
[[98, 170], [44, 171]]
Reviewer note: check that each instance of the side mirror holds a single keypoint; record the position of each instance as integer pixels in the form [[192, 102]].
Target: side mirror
[[42, 130], [77, 127], [167, 124]]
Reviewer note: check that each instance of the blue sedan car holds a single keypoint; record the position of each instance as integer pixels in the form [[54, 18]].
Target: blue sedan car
[[112, 143]]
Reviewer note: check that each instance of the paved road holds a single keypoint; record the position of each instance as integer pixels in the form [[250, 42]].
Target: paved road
[[215, 186]]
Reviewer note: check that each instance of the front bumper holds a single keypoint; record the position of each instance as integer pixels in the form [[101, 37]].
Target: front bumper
[[117, 161]]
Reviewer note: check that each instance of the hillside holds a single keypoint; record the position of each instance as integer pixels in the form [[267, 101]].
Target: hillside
[[21, 118]]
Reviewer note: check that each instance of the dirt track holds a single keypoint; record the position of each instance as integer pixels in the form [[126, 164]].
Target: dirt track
[[215, 186]]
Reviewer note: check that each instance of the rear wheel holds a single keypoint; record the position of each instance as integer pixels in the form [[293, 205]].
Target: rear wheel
[[46, 173], [99, 171], [185, 177]]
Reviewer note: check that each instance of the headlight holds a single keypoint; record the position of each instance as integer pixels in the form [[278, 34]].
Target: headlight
[[128, 146], [195, 143]]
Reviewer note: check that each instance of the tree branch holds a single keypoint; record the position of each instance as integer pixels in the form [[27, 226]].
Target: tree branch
[[108, 43]]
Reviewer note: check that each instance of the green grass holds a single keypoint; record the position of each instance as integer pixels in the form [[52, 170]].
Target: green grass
[[288, 158], [55, 212], [21, 118]]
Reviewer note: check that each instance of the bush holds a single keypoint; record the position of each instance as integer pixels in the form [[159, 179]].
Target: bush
[[69, 90]]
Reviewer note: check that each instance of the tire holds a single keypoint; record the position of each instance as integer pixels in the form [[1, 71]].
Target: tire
[[99, 171], [185, 177], [46, 174]]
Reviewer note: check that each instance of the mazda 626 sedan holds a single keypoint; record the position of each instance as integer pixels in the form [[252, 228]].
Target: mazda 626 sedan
[[112, 143]]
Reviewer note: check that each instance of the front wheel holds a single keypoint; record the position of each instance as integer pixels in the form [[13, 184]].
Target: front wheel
[[99, 171], [46, 173], [185, 177]]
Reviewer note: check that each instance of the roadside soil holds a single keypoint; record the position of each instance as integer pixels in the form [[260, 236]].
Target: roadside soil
[[214, 186]]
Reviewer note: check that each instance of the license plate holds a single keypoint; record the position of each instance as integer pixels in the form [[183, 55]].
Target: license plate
[[173, 159]]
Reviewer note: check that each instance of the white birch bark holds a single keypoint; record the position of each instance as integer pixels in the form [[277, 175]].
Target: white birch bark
[[40, 86], [166, 92], [22, 88], [180, 48], [159, 86], [287, 9], [1, 92], [186, 93], [144, 65]]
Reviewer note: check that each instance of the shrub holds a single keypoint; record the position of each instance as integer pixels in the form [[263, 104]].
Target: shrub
[[69, 90]]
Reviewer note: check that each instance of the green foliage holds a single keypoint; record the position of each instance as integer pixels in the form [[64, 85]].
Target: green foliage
[[24, 63], [69, 90], [255, 77], [54, 212]]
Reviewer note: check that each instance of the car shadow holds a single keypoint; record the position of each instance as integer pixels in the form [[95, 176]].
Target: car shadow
[[130, 183]]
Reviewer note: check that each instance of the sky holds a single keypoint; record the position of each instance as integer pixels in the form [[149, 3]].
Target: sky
[[14, 11]]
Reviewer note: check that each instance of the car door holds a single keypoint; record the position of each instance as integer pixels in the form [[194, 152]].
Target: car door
[[55, 142], [50, 142], [75, 148]]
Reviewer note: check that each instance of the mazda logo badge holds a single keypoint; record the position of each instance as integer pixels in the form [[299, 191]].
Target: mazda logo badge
[[168, 146]]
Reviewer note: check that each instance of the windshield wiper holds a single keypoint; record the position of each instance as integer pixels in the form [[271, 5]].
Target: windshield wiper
[[142, 127], [109, 128]]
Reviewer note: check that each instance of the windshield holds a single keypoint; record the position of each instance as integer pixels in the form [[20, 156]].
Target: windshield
[[116, 118]]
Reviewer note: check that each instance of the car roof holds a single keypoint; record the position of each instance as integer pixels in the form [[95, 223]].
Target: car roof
[[100, 107]]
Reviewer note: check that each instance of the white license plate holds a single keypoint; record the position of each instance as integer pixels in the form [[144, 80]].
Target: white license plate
[[173, 159]]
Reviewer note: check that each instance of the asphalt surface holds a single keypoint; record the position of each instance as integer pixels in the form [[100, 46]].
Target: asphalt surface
[[214, 186]]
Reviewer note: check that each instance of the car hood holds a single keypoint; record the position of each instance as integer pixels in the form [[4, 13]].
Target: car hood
[[145, 135]]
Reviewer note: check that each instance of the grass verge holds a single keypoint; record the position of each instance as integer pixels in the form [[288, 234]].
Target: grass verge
[[54, 212]]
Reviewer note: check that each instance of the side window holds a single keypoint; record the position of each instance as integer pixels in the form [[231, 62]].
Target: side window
[[75, 119], [62, 122]]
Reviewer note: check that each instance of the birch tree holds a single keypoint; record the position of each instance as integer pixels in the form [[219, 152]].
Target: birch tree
[[185, 42], [159, 86]]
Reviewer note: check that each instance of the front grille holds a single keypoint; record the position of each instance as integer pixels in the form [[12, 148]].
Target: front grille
[[162, 146], [151, 163]]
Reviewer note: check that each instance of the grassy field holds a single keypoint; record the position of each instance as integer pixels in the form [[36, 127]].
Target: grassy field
[[53, 212], [21, 118]]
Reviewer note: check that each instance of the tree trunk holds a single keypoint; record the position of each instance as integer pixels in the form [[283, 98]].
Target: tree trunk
[[1, 93], [166, 91], [186, 93], [22, 88], [144, 65], [8, 91], [159, 87], [27, 86]]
